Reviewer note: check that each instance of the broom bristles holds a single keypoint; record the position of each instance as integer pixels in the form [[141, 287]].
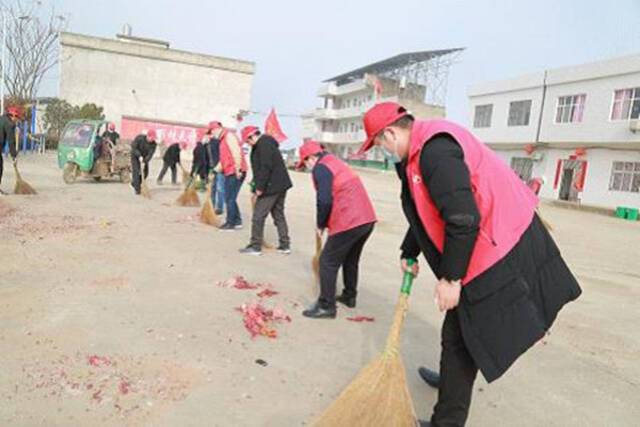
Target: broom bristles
[[189, 196], [208, 214], [378, 396], [315, 261], [144, 189], [22, 186], [185, 174]]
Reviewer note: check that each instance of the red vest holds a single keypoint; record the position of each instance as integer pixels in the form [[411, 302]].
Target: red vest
[[226, 158], [505, 203], [351, 204]]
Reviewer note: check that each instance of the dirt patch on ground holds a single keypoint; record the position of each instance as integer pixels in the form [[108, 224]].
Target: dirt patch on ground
[[21, 224]]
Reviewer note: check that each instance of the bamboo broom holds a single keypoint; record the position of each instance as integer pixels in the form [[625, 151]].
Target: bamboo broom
[[208, 213], [189, 196], [315, 261], [185, 174], [379, 395], [22, 186], [144, 189]]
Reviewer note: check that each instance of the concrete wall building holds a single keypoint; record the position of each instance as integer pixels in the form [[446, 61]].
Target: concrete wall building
[[143, 83], [576, 126], [345, 98]]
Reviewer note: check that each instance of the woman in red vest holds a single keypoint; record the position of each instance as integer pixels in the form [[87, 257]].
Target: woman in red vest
[[344, 209], [501, 278]]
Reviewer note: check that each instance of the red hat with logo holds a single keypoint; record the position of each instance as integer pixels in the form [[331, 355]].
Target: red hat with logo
[[379, 117], [213, 125], [248, 131], [309, 148], [13, 111], [152, 135]]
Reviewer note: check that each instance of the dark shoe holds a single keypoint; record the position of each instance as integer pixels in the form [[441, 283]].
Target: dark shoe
[[219, 211], [318, 312], [424, 423], [227, 227], [250, 250], [346, 300], [238, 226], [286, 250], [430, 377]]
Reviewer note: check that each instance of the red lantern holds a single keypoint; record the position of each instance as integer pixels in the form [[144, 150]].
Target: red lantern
[[529, 149], [580, 151]]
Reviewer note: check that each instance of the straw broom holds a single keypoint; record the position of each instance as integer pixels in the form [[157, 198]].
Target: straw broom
[[379, 395], [185, 174], [208, 213], [315, 261], [189, 196], [144, 189], [22, 186]]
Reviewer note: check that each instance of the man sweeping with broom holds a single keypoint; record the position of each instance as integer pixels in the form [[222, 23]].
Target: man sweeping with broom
[[501, 278], [142, 147], [271, 182], [344, 208], [8, 137]]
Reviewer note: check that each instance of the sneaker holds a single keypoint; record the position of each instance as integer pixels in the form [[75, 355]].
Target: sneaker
[[227, 227], [2, 193], [286, 250], [238, 226], [250, 250], [219, 211]]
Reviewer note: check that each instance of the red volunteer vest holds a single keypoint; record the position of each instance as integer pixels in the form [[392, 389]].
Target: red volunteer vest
[[505, 203], [226, 158], [351, 204]]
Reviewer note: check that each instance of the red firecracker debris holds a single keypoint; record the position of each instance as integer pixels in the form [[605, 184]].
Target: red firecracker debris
[[242, 283], [361, 319], [124, 387], [259, 321], [267, 293], [99, 360]]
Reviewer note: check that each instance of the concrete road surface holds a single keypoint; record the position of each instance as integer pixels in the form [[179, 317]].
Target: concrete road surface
[[114, 311]]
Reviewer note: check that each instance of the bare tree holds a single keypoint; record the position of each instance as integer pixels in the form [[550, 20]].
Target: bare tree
[[32, 45]]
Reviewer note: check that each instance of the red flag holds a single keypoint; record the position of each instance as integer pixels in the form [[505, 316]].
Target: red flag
[[272, 127]]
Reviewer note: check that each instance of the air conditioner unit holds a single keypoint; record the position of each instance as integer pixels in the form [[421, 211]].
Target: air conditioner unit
[[634, 125]]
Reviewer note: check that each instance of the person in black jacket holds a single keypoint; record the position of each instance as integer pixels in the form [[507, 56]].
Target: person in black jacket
[[142, 147], [199, 162], [111, 133], [8, 136], [271, 182], [213, 158], [170, 159], [500, 313]]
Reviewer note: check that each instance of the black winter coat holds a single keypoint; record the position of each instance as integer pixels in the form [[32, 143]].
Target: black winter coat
[[199, 165], [140, 147], [270, 173], [8, 135], [509, 307], [172, 154]]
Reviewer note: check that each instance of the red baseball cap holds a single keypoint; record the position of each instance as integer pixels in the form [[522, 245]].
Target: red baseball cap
[[379, 117], [309, 148], [152, 135], [111, 126], [215, 125], [247, 131]]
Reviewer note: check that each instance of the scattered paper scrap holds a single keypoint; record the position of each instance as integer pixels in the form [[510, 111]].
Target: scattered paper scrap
[[260, 321], [361, 319]]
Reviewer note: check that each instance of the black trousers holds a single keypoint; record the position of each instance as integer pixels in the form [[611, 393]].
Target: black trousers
[[342, 250], [272, 204], [136, 178], [174, 171], [1, 162], [457, 374]]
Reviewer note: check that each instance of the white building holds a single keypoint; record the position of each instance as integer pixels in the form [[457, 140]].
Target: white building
[[416, 80], [143, 83], [576, 126]]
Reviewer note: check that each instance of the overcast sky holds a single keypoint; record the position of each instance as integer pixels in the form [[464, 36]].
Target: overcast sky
[[296, 43]]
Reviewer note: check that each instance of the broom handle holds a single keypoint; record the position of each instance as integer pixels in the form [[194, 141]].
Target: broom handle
[[407, 281]]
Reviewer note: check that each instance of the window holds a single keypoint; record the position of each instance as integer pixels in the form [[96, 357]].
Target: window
[[523, 167], [625, 176], [626, 104], [482, 116], [519, 113], [570, 108]]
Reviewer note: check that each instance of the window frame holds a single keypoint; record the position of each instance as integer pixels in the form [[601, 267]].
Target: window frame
[[571, 106], [635, 97], [520, 101], [475, 116], [624, 174]]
